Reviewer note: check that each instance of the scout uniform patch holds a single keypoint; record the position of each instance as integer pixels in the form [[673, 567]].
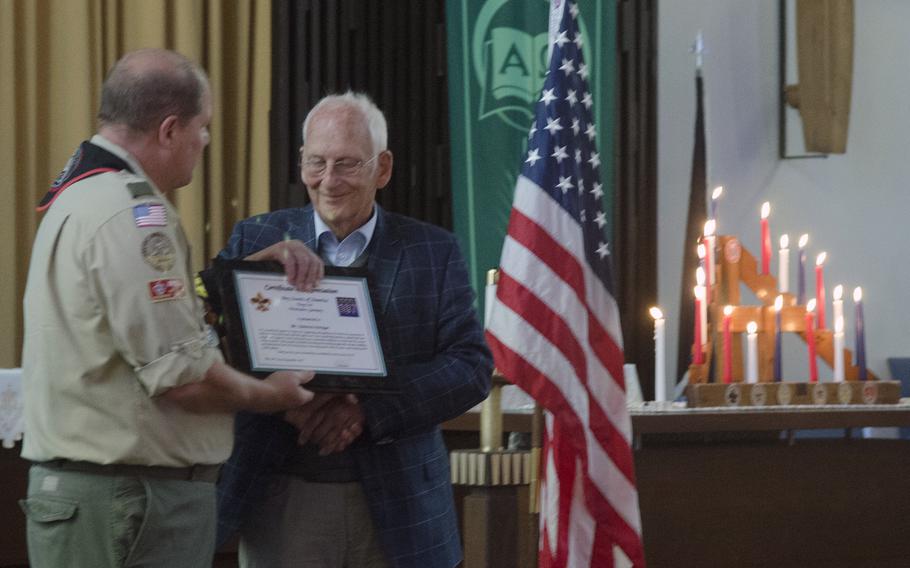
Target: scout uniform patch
[[150, 214], [166, 289], [158, 252]]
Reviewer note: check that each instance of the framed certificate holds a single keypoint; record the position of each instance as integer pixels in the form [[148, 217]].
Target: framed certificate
[[271, 326]]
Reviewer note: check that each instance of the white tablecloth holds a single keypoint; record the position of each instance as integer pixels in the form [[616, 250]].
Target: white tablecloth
[[11, 422]]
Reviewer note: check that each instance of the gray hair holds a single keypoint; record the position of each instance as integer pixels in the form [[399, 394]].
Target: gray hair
[[144, 87], [379, 132]]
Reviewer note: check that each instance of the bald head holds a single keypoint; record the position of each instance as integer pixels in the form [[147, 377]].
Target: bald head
[[146, 86]]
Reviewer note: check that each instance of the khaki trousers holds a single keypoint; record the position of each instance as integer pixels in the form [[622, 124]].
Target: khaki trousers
[[305, 524], [89, 520]]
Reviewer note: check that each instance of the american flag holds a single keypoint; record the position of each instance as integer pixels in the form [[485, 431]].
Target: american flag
[[150, 215], [554, 325]]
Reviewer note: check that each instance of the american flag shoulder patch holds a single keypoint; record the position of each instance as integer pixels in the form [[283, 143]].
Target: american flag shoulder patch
[[150, 215]]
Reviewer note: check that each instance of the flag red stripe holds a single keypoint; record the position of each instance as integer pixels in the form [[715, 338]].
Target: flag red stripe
[[536, 239], [608, 352]]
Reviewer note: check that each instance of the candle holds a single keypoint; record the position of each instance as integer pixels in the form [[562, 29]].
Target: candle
[[838, 349], [752, 352], [801, 277], [711, 256], [820, 288], [660, 382], [810, 339], [783, 271], [703, 308], [703, 266], [728, 345], [765, 239], [837, 303], [715, 195], [778, 343], [859, 324], [698, 356]]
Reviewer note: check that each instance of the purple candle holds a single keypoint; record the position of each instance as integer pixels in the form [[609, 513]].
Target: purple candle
[[801, 279], [860, 333]]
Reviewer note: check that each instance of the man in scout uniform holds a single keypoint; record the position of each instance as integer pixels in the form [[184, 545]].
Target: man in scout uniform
[[128, 404]]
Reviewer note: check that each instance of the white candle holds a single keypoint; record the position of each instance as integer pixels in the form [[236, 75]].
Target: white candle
[[710, 258], [703, 304], [783, 272], [838, 349], [837, 303], [660, 381], [752, 352]]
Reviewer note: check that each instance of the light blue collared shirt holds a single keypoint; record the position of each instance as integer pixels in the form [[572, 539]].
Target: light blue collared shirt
[[349, 249]]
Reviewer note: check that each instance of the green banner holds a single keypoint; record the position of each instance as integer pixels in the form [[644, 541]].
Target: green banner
[[497, 53]]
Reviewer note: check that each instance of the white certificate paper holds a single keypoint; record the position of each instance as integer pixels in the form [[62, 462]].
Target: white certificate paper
[[329, 330]]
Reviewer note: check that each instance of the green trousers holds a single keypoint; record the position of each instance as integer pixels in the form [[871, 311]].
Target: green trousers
[[87, 520]]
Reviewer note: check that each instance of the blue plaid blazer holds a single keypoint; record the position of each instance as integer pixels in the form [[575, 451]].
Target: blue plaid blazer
[[436, 357]]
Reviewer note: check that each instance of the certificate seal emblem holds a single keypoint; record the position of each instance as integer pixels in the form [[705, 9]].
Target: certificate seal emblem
[[158, 251], [819, 394], [870, 392], [784, 393], [844, 393], [759, 395], [733, 395], [733, 251]]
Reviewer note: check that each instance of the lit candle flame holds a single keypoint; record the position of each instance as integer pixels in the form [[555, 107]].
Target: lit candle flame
[[838, 292], [820, 259], [728, 310], [700, 292], [710, 227], [718, 191], [810, 305], [778, 303], [656, 313], [857, 294], [751, 327], [784, 241], [839, 325], [702, 251], [700, 276], [765, 210], [803, 240]]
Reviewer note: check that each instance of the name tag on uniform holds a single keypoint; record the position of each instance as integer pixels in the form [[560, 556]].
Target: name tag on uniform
[[166, 289]]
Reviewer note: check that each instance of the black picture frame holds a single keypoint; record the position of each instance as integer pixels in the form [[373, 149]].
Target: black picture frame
[[236, 347]]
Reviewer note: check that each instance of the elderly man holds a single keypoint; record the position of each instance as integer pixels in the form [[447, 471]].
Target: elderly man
[[128, 405], [387, 499]]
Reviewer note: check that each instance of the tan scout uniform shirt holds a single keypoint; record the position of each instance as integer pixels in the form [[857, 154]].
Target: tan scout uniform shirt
[[111, 322]]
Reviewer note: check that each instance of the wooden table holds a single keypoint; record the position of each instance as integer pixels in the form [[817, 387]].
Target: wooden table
[[722, 487]]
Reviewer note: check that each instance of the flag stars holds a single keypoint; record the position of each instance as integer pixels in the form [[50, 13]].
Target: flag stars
[[603, 249], [598, 191], [583, 71], [594, 160], [576, 128], [565, 184], [553, 126], [532, 131], [573, 9], [578, 155], [533, 157], [600, 219], [586, 100], [561, 38], [548, 96], [567, 67], [571, 98], [583, 215], [560, 154], [578, 41], [590, 131], [581, 186]]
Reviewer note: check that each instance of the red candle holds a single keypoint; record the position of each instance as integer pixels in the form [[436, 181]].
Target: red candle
[[765, 239], [703, 265], [698, 356], [810, 339], [728, 346], [820, 288]]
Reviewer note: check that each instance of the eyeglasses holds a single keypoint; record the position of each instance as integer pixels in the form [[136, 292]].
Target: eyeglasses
[[345, 167]]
